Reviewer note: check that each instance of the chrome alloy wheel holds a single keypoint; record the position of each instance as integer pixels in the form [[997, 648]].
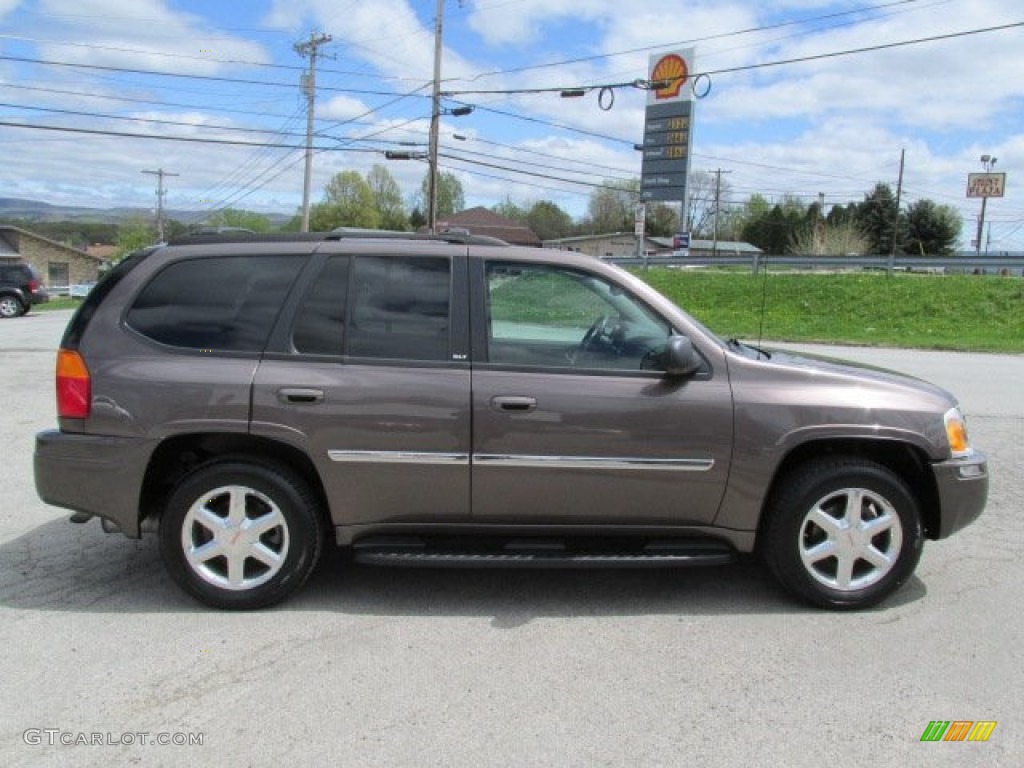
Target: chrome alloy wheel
[[235, 537], [850, 539], [9, 306]]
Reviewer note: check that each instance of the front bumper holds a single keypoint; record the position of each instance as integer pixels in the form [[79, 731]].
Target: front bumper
[[99, 475], [963, 490]]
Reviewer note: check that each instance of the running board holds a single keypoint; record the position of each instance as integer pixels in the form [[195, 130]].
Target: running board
[[541, 553]]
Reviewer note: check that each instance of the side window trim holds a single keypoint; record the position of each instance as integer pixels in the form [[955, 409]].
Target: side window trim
[[481, 320], [282, 346]]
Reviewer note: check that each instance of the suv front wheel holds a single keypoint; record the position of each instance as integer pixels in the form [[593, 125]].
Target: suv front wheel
[[241, 535], [843, 533]]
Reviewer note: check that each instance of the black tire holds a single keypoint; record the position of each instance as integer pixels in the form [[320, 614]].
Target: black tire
[[247, 566], [842, 533]]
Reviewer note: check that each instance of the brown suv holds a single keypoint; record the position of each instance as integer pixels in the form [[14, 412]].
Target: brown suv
[[454, 401]]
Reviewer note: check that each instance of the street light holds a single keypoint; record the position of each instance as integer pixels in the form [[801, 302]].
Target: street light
[[987, 161]]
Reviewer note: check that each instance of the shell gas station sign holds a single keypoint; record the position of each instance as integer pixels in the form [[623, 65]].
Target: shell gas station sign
[[667, 127]]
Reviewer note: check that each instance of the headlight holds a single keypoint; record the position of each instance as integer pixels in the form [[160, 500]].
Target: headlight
[[956, 433]]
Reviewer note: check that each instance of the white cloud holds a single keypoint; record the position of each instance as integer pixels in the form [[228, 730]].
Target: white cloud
[[116, 34], [385, 33], [6, 6]]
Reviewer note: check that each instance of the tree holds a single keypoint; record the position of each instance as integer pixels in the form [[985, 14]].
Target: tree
[[548, 221], [387, 196], [234, 217], [510, 210], [612, 206], [662, 220], [348, 202], [135, 234], [450, 197], [702, 192], [735, 219], [827, 239], [932, 229], [880, 220], [774, 231]]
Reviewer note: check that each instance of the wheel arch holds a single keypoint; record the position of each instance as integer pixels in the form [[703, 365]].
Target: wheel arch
[[904, 459], [177, 456]]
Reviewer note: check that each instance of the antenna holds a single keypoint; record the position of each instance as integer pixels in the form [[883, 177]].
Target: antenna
[[764, 299]]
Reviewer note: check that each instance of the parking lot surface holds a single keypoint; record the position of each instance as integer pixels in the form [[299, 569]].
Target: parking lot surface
[[104, 657]]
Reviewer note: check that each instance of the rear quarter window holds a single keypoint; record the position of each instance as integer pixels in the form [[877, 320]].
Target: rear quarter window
[[226, 303]]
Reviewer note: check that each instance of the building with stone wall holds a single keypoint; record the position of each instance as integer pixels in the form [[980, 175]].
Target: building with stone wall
[[58, 265]]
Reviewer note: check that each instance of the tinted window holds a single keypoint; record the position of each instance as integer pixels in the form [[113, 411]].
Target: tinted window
[[399, 308], [224, 303], [545, 315], [320, 325]]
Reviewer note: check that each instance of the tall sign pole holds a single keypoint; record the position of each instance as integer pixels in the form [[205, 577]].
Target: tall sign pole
[[985, 185], [668, 130]]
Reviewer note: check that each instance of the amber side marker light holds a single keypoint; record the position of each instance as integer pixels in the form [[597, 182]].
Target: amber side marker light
[[74, 387], [956, 433]]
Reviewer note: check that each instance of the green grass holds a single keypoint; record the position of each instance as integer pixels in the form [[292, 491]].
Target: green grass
[[957, 312], [57, 302]]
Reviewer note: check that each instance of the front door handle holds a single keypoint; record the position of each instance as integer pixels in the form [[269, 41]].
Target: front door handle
[[513, 404], [300, 395]]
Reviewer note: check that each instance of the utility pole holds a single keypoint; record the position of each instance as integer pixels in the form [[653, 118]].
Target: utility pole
[[718, 200], [160, 173], [309, 48], [896, 215], [819, 226], [435, 118]]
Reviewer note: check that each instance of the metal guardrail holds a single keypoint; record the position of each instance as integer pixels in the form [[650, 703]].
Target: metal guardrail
[[991, 265], [76, 291]]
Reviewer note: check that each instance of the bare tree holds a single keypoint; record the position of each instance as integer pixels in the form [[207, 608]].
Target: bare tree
[[824, 239], [701, 201]]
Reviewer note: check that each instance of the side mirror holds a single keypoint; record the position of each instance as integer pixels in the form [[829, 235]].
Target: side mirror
[[681, 358]]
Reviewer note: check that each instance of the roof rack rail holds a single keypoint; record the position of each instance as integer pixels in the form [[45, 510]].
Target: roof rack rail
[[460, 236]]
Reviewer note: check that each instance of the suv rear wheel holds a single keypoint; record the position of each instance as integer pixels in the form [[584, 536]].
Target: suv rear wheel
[[10, 307], [843, 533], [242, 535]]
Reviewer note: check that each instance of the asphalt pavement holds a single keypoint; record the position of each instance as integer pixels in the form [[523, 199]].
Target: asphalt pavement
[[104, 657]]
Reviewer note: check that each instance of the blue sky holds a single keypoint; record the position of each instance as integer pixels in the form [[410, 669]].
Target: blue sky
[[831, 125]]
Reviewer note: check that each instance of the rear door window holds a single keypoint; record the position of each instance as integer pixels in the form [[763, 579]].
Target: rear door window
[[386, 307]]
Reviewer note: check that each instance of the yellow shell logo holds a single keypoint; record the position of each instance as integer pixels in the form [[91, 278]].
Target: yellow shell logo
[[672, 71]]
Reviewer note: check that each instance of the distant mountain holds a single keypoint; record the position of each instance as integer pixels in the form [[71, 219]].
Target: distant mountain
[[35, 210]]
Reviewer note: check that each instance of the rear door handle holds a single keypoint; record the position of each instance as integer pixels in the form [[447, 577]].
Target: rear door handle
[[300, 395], [513, 404]]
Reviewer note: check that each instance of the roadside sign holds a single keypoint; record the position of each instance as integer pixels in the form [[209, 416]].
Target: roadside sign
[[986, 184]]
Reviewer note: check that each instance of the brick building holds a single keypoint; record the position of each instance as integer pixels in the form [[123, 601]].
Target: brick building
[[59, 265]]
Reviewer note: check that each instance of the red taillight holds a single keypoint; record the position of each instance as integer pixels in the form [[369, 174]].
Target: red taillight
[[74, 388], [33, 286]]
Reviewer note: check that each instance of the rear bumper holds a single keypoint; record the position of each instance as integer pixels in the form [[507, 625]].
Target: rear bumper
[[95, 474], [963, 490]]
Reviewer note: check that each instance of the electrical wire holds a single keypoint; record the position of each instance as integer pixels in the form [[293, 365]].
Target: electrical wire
[[742, 68]]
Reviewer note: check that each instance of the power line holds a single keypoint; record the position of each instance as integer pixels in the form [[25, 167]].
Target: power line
[[185, 75], [129, 100], [156, 121], [678, 43], [742, 68], [158, 137]]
